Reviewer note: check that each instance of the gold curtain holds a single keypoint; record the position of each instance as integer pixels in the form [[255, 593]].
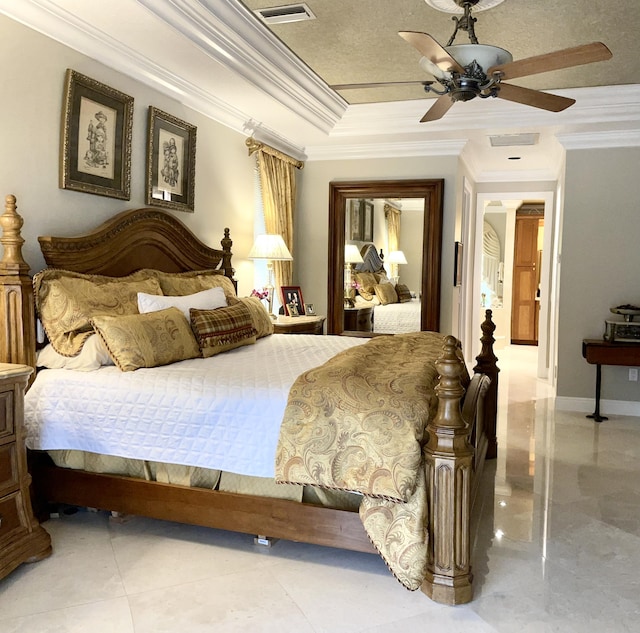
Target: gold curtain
[[393, 226], [278, 186]]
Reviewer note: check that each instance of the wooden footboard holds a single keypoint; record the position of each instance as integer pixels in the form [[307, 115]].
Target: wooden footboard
[[458, 439]]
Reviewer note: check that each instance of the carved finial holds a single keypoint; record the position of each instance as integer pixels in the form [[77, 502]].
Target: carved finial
[[11, 223], [487, 359], [449, 390]]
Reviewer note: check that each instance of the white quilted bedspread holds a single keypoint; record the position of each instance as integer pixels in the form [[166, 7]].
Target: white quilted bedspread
[[222, 412]]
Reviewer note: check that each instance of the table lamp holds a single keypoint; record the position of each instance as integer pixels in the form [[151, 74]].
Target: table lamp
[[395, 258], [270, 247]]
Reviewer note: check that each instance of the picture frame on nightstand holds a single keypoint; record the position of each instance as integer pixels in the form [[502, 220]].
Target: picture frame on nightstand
[[292, 295]]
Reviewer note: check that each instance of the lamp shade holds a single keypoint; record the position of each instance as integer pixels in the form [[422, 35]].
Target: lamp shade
[[396, 257], [270, 247], [352, 254]]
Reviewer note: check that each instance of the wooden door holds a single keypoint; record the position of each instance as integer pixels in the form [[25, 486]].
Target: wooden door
[[524, 307]]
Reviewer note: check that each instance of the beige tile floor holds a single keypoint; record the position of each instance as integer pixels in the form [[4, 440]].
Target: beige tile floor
[[558, 549]]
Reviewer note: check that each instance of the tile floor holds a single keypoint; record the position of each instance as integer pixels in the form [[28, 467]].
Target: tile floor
[[558, 549]]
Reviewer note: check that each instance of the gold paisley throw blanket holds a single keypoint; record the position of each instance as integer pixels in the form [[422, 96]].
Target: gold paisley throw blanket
[[357, 423]]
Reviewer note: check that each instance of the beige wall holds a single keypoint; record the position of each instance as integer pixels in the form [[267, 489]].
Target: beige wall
[[600, 263], [33, 70]]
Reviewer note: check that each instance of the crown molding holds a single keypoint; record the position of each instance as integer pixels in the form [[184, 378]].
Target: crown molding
[[602, 140], [386, 149]]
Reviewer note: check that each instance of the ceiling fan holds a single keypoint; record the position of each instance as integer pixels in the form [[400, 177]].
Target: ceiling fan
[[467, 71]]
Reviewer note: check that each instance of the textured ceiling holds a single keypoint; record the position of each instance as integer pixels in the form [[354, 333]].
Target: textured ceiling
[[356, 41]]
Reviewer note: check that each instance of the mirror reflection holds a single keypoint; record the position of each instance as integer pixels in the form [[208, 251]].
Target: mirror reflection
[[383, 264], [384, 254]]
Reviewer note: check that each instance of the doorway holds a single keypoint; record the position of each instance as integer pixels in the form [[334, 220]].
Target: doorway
[[548, 270]]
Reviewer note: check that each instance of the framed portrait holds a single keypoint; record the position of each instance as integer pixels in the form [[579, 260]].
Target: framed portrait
[[292, 300], [310, 309], [457, 270], [171, 162], [367, 221], [354, 219], [96, 138]]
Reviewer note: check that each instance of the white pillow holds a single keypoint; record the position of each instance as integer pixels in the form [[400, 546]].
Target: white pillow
[[203, 300], [92, 356]]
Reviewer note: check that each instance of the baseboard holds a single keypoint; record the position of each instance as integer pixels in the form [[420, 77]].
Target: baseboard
[[587, 405]]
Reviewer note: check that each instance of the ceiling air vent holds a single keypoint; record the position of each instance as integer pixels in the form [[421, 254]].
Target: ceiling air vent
[[513, 140], [288, 13]]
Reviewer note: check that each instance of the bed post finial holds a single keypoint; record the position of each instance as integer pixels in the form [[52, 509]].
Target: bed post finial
[[226, 258], [17, 317], [487, 364], [11, 239], [448, 460]]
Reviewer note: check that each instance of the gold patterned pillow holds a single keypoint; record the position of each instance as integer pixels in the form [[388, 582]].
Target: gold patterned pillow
[[66, 301], [259, 315], [192, 281], [386, 293], [223, 329], [147, 340]]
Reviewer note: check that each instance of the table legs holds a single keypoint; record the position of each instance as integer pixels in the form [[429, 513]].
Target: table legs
[[596, 414]]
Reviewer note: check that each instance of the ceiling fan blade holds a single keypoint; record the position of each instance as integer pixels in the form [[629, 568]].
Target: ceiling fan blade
[[567, 58], [535, 98], [380, 84], [439, 108], [430, 49]]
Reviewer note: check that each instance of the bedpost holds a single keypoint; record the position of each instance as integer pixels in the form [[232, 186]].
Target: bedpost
[[17, 316], [448, 462], [487, 364], [226, 257]]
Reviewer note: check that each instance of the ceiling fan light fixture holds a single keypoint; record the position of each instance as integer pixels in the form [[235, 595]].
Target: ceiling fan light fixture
[[452, 6], [485, 55]]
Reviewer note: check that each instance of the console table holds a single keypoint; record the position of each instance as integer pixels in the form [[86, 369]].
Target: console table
[[599, 352]]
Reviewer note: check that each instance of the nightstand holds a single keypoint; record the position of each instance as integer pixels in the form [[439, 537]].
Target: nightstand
[[22, 539], [299, 325], [358, 319]]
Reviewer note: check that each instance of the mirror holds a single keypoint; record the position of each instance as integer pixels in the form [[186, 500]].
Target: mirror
[[340, 195]]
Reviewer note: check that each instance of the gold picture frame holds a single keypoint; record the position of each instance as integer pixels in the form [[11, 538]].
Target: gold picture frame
[[96, 138], [171, 162]]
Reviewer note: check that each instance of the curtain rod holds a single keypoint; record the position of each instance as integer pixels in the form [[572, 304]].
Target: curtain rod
[[255, 146]]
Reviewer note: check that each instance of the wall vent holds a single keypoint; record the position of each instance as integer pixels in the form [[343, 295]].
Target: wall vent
[[284, 14], [513, 140]]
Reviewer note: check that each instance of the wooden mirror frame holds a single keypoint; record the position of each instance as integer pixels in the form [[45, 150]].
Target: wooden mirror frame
[[432, 191]]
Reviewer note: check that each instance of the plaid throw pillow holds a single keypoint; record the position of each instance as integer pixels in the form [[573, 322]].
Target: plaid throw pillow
[[223, 329]]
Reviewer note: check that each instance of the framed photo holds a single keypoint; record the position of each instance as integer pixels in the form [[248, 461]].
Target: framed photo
[[457, 269], [367, 221], [354, 219], [96, 138], [171, 162], [292, 300], [310, 309]]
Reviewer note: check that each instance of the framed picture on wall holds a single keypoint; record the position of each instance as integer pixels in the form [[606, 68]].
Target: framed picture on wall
[[96, 138], [457, 270], [292, 301], [354, 219], [171, 162], [367, 221]]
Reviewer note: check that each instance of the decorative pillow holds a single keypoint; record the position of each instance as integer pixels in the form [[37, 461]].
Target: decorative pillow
[[223, 329], [92, 356], [381, 278], [66, 301], [367, 283], [190, 282], [259, 315], [386, 293], [203, 300], [403, 292], [147, 340]]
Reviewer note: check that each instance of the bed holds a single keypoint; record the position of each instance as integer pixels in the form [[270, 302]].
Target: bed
[[459, 435], [396, 309]]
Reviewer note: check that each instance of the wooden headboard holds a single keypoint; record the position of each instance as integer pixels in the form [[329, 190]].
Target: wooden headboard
[[373, 261], [131, 240]]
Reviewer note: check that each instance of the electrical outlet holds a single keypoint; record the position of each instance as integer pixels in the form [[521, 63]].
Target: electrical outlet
[[633, 374]]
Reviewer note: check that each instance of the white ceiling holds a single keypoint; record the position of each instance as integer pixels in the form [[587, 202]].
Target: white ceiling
[[218, 58]]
